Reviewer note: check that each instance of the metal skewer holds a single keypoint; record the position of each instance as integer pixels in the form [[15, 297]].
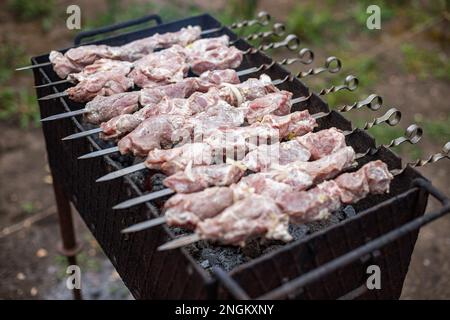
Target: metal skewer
[[413, 135], [291, 42], [263, 19], [305, 52], [351, 83], [277, 30], [192, 238], [391, 117]]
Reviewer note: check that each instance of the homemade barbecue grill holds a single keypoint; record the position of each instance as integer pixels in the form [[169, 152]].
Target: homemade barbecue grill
[[326, 260]]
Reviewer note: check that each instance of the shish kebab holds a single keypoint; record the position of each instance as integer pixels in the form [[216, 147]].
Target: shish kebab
[[180, 89], [234, 141], [280, 168], [232, 95], [196, 178], [162, 67], [240, 221], [261, 216], [77, 58], [166, 66], [104, 108], [74, 77]]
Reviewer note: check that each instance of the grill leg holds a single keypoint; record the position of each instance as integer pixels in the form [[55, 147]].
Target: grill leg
[[69, 246]]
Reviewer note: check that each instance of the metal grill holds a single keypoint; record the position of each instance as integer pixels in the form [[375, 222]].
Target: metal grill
[[327, 261]]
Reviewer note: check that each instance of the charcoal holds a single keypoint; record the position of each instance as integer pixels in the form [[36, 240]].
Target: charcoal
[[298, 231], [349, 211]]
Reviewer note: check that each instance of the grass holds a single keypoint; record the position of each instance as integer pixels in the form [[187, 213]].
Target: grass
[[27, 207], [425, 63], [311, 24], [31, 9], [437, 130], [15, 102], [11, 54], [20, 105]]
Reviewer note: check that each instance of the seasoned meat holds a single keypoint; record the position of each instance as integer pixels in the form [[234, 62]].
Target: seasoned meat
[[159, 68], [75, 59], [151, 97], [278, 103], [323, 143], [292, 125], [265, 156], [154, 132], [248, 90], [187, 210], [103, 83], [216, 77], [259, 183], [100, 65], [173, 160], [327, 167], [104, 108], [142, 47], [328, 196], [253, 216], [198, 178], [219, 58], [373, 178], [314, 204]]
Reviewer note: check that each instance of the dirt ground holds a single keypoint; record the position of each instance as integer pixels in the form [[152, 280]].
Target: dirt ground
[[30, 265]]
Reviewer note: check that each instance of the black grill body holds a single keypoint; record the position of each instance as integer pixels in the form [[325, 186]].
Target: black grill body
[[150, 274]]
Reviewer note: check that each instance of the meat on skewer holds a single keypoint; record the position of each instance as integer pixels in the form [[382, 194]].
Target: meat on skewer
[[272, 183], [256, 216], [188, 210], [158, 68], [194, 179], [102, 108], [102, 83], [75, 59], [220, 141], [317, 203], [137, 141], [234, 95], [100, 65]]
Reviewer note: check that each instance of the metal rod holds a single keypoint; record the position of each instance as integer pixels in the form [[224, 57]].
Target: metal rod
[[263, 19], [291, 42], [65, 115], [332, 65], [155, 195], [391, 117], [54, 96], [33, 66], [122, 172], [99, 153], [180, 242], [375, 244], [145, 225], [351, 83], [69, 246], [53, 83], [229, 283], [82, 134], [147, 197]]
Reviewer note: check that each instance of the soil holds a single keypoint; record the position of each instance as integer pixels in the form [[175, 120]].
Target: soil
[[32, 268]]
